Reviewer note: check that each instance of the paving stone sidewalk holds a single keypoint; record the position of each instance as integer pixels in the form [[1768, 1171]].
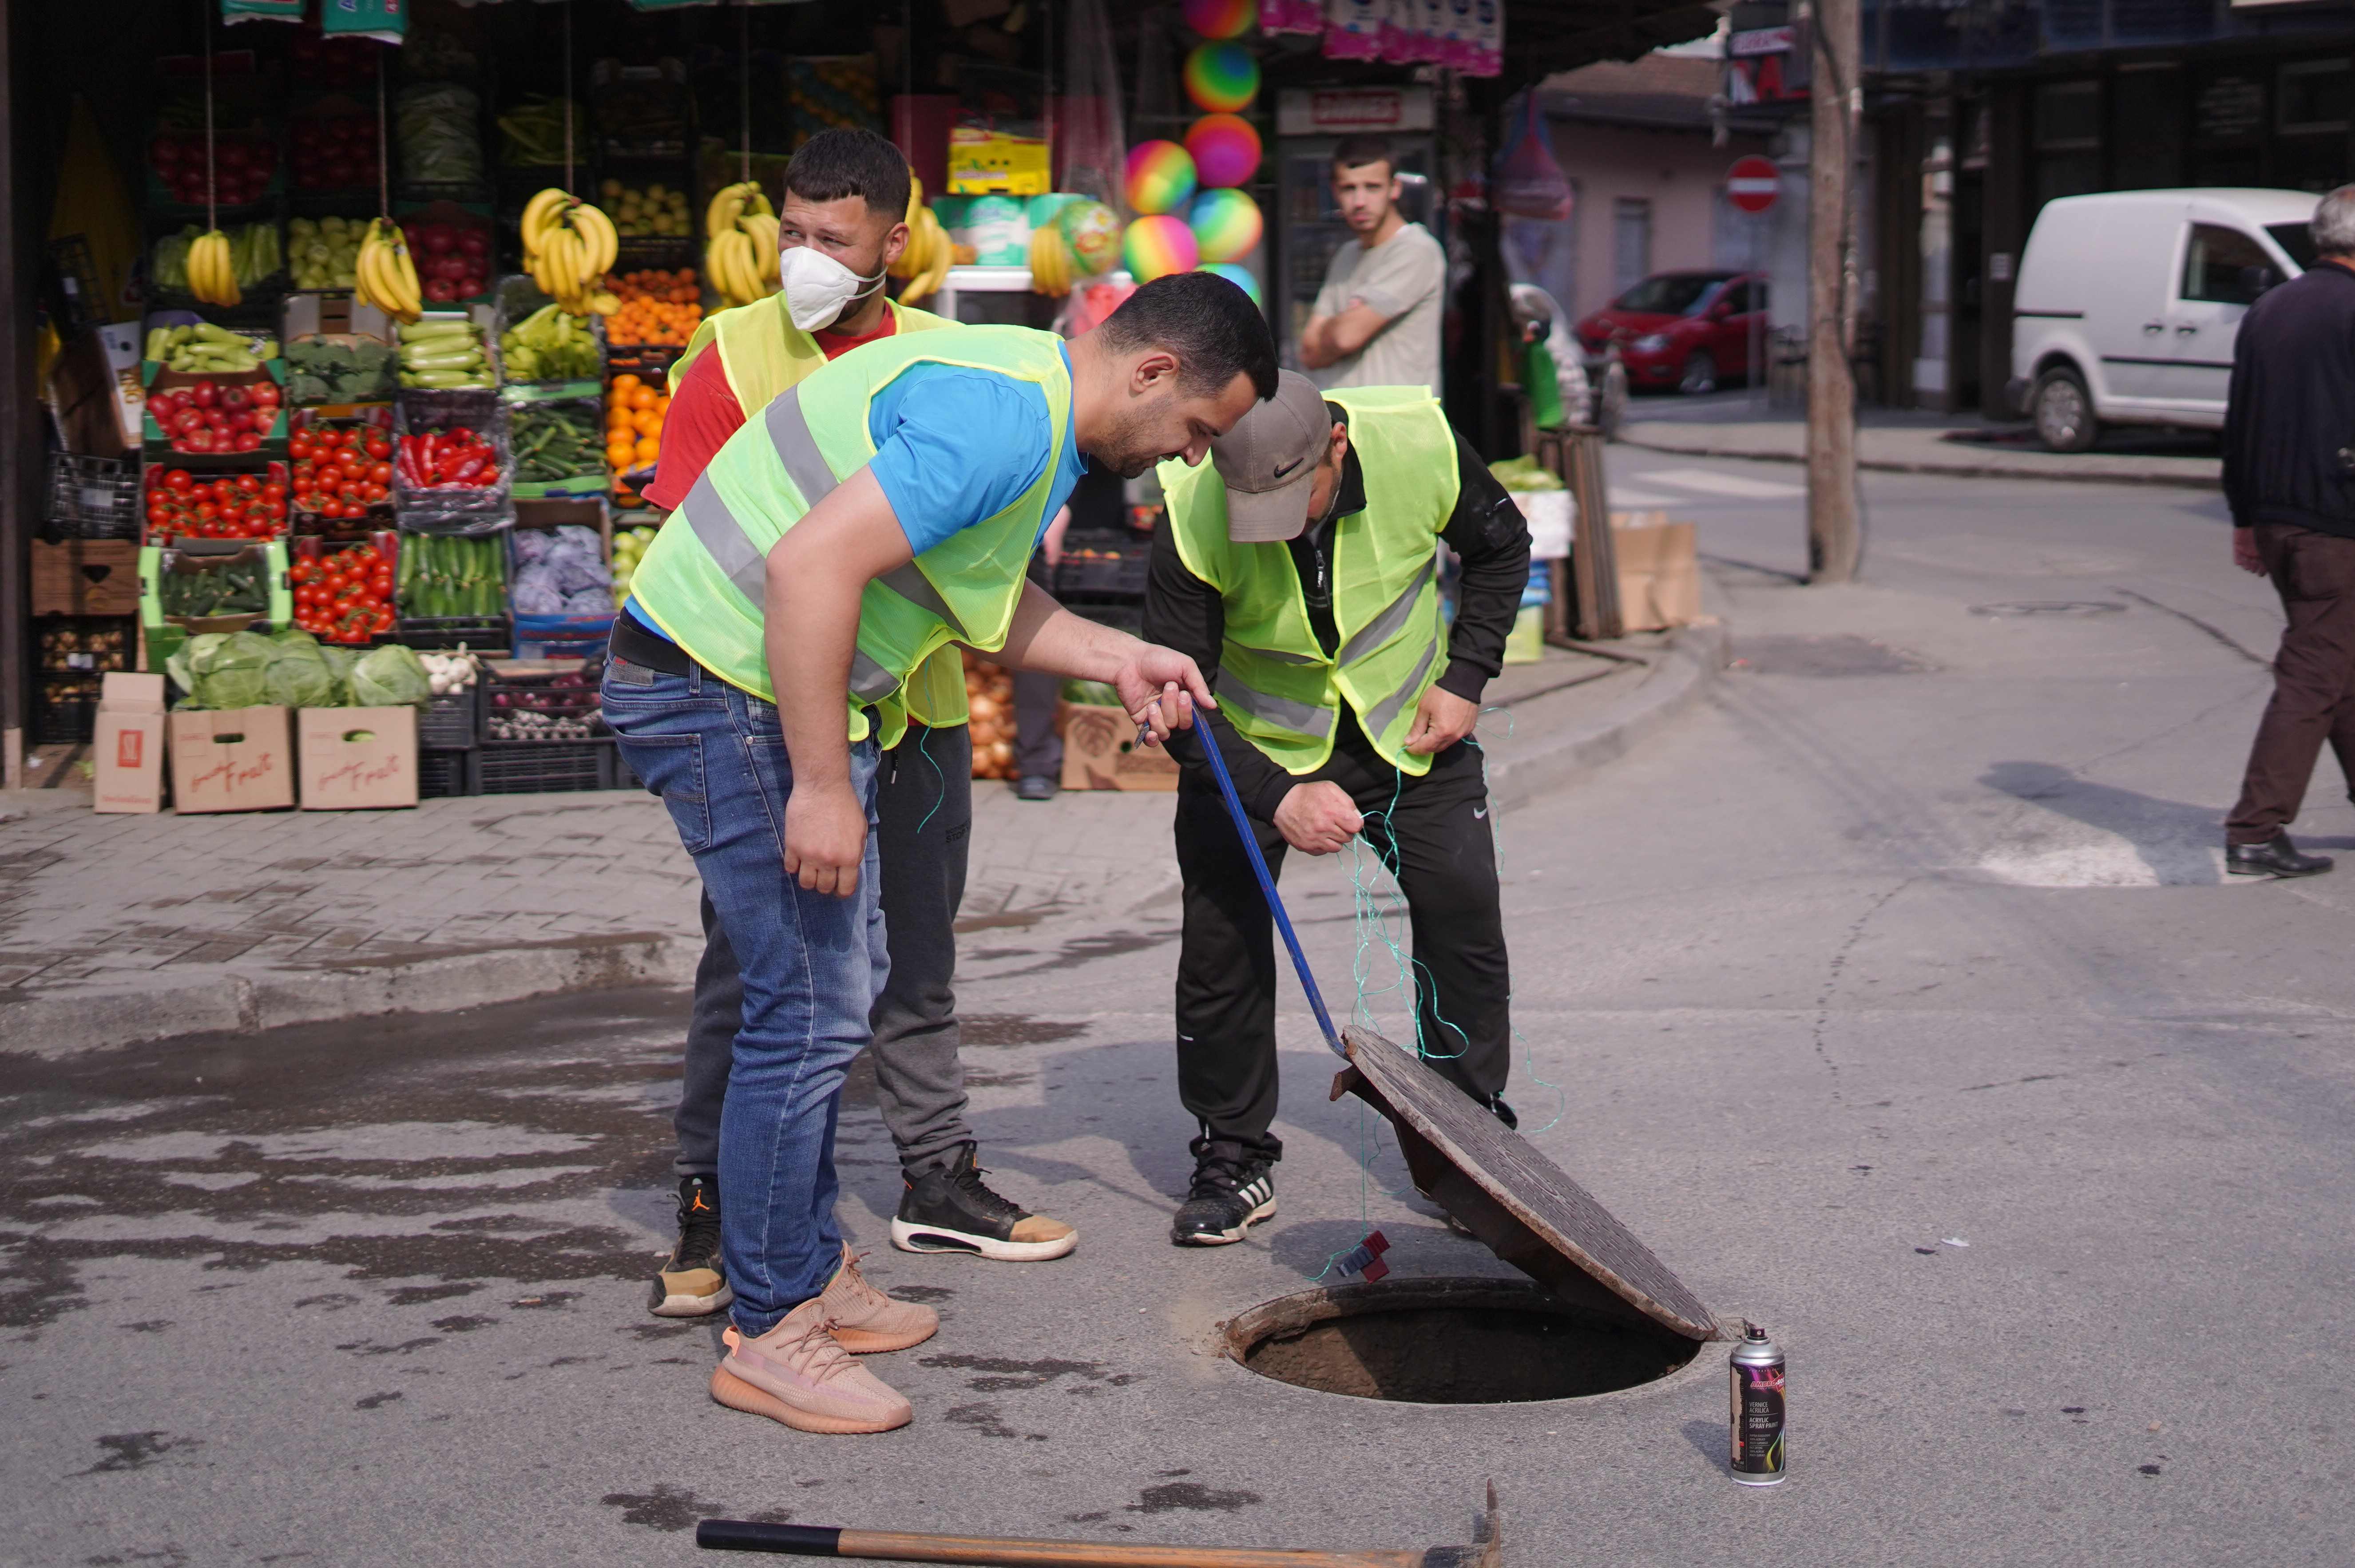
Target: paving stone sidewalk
[[122, 928]]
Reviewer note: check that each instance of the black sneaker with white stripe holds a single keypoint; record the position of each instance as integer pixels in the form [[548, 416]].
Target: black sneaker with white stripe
[[1232, 1191]]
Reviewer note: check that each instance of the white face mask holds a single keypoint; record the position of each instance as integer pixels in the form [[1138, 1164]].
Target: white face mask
[[818, 288]]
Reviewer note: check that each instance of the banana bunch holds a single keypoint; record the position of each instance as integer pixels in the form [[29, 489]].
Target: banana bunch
[[739, 253], [925, 263], [386, 276], [212, 270], [1050, 263], [569, 246]]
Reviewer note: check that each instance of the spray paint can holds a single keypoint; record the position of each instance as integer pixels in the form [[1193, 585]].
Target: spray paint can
[[1756, 1438]]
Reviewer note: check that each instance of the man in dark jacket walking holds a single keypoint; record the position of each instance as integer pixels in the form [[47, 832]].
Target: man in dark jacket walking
[[2289, 476]]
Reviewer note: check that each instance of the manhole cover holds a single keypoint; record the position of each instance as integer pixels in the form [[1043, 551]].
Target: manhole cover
[[1832, 654], [1450, 1342], [2051, 607]]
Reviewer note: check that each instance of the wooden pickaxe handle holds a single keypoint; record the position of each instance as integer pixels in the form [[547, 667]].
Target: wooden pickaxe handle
[[999, 1551]]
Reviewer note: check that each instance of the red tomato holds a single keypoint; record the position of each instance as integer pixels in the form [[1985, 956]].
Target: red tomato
[[178, 479], [274, 490], [248, 442], [378, 449], [265, 394], [379, 474]]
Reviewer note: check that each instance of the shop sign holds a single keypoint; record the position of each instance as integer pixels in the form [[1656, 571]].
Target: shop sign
[[1347, 110], [1755, 41]]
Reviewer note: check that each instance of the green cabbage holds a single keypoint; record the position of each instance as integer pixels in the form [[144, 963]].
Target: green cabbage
[[300, 675], [234, 672], [390, 676]]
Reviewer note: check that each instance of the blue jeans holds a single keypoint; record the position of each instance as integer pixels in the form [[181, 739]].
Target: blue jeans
[[813, 965]]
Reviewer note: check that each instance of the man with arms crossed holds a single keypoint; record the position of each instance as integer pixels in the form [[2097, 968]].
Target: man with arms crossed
[[867, 517], [1376, 321], [840, 229]]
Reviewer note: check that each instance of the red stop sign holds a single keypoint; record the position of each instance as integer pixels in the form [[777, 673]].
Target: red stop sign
[[1752, 183]]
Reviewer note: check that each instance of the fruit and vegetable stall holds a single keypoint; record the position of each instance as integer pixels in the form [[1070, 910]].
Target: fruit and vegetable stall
[[406, 290]]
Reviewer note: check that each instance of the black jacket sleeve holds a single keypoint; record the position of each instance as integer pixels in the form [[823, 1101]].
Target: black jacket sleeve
[[1184, 613], [1491, 537]]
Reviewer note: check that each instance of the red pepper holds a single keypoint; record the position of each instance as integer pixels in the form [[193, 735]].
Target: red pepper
[[465, 472]]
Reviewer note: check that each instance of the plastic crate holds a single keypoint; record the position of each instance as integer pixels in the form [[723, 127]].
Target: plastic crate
[[449, 722], [523, 706], [93, 498], [1116, 574], [481, 635], [68, 708], [443, 773], [557, 766]]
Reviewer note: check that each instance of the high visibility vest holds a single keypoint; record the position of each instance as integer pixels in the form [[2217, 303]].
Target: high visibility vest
[[704, 584], [1276, 683], [762, 353]]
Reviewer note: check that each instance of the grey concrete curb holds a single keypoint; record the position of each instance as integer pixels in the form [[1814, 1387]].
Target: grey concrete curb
[[163, 1006], [1677, 679], [1961, 468], [96, 1018]]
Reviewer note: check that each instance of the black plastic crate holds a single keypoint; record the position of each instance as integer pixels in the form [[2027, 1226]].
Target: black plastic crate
[[528, 706], [530, 770], [93, 498], [440, 773], [68, 709], [1121, 574], [486, 634], [449, 722]]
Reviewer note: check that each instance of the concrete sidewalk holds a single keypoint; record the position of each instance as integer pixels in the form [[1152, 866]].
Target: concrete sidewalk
[[1903, 441], [116, 929]]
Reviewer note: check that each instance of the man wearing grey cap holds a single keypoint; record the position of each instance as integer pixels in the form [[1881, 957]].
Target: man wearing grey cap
[[1302, 566]]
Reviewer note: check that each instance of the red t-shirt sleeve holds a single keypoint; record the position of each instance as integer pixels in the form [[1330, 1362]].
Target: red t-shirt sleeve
[[703, 414]]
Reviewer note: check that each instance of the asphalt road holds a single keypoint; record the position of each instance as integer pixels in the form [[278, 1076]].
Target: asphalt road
[[1895, 997]]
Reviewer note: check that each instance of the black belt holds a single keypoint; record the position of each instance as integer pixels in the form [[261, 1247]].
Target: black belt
[[633, 642]]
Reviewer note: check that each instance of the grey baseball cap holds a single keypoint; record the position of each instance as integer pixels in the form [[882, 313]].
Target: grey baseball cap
[[1269, 461]]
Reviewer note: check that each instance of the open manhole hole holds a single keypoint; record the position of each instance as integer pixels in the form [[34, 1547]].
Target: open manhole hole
[[2051, 607], [1450, 1342]]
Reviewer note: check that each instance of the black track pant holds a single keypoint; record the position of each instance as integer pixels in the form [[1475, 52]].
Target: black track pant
[[1433, 832]]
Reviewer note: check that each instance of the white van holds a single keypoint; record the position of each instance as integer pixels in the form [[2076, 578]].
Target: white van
[[2128, 301]]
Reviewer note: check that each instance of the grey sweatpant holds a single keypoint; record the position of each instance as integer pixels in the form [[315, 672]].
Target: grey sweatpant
[[924, 807]]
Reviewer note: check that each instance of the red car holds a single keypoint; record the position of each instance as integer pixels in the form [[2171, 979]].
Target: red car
[[1691, 331]]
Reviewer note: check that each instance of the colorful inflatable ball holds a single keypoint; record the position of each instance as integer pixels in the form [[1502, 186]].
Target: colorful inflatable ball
[[1225, 225], [1222, 78], [1092, 233], [1241, 276], [1221, 18], [1160, 177], [1159, 245], [1225, 149]]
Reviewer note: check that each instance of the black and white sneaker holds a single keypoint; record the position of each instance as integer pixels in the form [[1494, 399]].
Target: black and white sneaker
[[1231, 1192], [690, 1283], [949, 1209]]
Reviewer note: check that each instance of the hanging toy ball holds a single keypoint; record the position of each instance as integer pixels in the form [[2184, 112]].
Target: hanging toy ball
[[1159, 245], [1222, 78], [1241, 276], [1161, 178], [1225, 149], [1221, 18], [1092, 233], [1225, 225]]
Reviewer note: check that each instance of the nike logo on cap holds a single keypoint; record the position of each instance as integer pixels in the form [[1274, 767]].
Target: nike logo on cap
[[1290, 466]]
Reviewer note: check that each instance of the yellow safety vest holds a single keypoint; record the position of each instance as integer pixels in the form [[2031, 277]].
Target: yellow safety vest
[[762, 352], [704, 584], [1275, 684]]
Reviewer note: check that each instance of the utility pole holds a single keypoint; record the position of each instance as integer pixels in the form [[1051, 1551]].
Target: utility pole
[[1835, 105]]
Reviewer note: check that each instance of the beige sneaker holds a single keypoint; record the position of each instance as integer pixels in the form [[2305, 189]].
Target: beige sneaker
[[799, 1374], [868, 1321]]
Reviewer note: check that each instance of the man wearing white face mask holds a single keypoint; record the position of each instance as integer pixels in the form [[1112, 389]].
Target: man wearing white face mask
[[841, 227]]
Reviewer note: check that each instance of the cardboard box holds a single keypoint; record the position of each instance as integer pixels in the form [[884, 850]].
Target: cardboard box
[[1659, 575], [86, 577], [1100, 751], [238, 759], [127, 744], [95, 392], [356, 759]]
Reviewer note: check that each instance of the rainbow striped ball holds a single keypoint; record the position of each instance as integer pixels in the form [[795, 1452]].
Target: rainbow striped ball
[[1226, 224], [1225, 148], [1158, 246], [1222, 78], [1221, 18], [1161, 178], [1241, 276]]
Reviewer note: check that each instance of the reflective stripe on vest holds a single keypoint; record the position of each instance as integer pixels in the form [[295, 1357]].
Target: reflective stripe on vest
[[705, 583], [1284, 690]]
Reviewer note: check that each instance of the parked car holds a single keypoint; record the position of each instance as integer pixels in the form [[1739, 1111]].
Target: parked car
[[2129, 301], [1691, 331]]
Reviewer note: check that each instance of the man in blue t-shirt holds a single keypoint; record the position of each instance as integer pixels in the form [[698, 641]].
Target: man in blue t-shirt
[[775, 803]]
